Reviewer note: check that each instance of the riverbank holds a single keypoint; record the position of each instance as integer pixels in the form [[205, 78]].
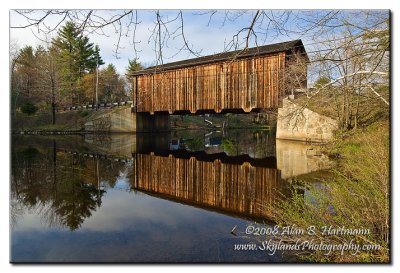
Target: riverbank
[[42, 122], [67, 122], [354, 194], [73, 121]]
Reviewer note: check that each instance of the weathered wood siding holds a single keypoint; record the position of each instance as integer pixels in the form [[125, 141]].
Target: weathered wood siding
[[238, 189], [240, 84]]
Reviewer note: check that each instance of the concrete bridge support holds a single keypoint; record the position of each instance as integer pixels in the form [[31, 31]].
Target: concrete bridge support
[[126, 121], [295, 122]]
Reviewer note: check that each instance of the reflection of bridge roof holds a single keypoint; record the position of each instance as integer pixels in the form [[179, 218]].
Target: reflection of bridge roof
[[224, 56], [267, 162]]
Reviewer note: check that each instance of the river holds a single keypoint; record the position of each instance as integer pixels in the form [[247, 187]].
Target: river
[[184, 196]]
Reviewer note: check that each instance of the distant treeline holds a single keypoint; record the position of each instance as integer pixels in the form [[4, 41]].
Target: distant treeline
[[65, 72]]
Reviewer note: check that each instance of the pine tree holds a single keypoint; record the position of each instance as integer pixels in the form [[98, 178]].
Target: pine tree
[[133, 66], [77, 57]]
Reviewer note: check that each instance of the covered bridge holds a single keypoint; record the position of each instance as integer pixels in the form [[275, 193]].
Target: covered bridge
[[244, 80]]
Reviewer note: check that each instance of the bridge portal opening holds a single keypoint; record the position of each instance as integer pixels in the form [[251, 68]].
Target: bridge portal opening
[[206, 120]]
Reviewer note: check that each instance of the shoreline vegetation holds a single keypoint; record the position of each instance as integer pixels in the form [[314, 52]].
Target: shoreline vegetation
[[354, 195], [356, 192], [67, 121]]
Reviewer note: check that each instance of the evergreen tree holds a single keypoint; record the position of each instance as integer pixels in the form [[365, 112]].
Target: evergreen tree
[[133, 66], [77, 57], [96, 57], [321, 81]]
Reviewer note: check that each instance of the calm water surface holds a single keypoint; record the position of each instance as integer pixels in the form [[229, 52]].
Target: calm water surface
[[148, 198]]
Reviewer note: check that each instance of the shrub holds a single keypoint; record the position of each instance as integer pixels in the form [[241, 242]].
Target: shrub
[[29, 108], [83, 113]]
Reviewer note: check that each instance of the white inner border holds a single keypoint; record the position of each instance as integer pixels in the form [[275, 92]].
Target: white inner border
[[185, 4]]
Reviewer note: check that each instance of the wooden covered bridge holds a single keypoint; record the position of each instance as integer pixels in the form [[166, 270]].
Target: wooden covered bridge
[[238, 81]]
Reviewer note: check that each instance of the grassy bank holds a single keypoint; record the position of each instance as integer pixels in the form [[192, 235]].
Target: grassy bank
[[65, 121], [354, 195]]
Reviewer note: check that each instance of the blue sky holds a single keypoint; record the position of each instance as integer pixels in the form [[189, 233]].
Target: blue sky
[[208, 39]]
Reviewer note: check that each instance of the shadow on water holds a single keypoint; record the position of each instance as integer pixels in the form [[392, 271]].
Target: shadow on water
[[176, 192]]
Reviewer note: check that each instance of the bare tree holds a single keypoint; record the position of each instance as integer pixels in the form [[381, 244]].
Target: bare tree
[[356, 64], [50, 80]]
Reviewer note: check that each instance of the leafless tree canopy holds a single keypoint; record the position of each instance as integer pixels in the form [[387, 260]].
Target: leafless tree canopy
[[262, 25]]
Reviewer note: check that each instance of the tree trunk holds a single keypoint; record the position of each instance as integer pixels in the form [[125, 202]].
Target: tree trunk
[[53, 98], [53, 112]]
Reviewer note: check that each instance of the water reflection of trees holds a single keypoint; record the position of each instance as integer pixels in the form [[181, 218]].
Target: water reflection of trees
[[63, 188]]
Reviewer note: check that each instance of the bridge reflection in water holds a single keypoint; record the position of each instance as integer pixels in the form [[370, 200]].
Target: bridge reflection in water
[[236, 173], [141, 198], [239, 189]]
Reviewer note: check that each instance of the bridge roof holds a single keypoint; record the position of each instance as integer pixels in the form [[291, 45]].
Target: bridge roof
[[225, 56]]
